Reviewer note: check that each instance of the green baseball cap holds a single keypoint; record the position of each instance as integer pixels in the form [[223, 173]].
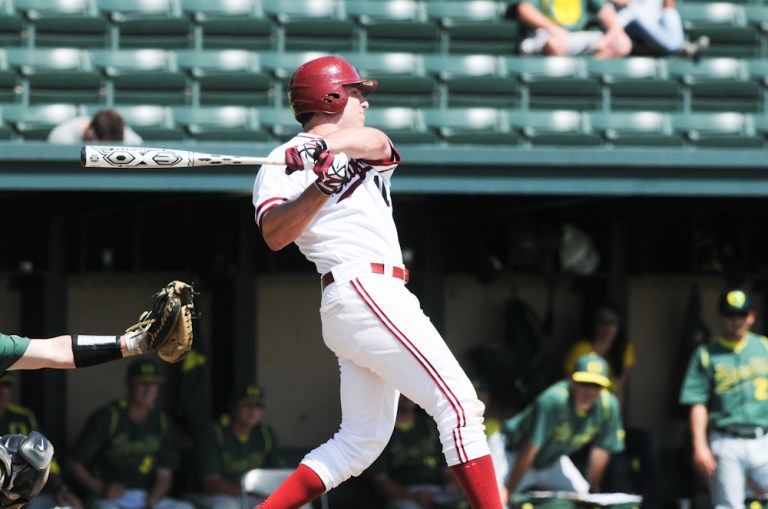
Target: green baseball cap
[[251, 394], [591, 369], [144, 371], [734, 301]]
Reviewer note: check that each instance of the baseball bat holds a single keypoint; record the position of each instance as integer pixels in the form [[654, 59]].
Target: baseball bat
[[142, 157]]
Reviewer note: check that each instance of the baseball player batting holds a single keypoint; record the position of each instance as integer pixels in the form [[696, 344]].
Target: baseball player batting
[[332, 199]]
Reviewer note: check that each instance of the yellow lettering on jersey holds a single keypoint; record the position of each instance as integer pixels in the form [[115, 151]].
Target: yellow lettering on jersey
[[728, 378]]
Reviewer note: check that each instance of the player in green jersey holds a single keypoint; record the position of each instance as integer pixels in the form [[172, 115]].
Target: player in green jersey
[[561, 420], [726, 386]]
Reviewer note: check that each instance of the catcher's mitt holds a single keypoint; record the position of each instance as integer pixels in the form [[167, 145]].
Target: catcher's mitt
[[167, 327]]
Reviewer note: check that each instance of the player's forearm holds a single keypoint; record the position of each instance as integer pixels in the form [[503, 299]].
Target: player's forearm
[[360, 143], [525, 456], [47, 353], [598, 461], [699, 418], [286, 222], [162, 486], [81, 475]]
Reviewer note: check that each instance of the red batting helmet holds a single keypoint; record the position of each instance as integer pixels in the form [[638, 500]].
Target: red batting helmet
[[317, 86]]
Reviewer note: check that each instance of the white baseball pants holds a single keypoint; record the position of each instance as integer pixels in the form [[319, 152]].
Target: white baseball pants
[[386, 345]]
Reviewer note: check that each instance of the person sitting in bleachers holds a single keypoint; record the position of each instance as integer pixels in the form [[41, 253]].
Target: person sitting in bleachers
[[239, 441], [656, 25], [106, 125], [559, 29]]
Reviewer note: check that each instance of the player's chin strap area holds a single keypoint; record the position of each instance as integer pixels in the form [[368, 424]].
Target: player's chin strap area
[[25, 461]]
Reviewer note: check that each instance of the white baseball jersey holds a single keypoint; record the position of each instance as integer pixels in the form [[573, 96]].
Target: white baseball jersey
[[356, 223], [384, 342]]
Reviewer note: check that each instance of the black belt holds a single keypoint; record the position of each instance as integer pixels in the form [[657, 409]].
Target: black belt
[[376, 268], [748, 432]]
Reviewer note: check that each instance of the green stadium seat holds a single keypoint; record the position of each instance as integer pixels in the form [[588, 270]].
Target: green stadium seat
[[555, 83], [147, 24], [57, 75], [757, 18], [720, 130], [402, 78], [471, 126], [395, 25], [309, 25], [64, 23], [233, 24], [716, 84], [11, 89], [636, 83], [227, 77], [636, 128], [143, 76], [474, 81], [761, 125], [220, 123], [726, 26], [402, 125], [36, 121], [475, 26], [554, 127], [279, 122], [757, 69], [150, 121], [12, 30]]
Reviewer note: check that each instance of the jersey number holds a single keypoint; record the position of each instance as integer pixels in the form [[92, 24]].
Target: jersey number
[[761, 388], [380, 184]]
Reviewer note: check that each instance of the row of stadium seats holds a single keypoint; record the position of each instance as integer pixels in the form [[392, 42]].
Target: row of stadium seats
[[246, 78], [419, 26], [456, 126]]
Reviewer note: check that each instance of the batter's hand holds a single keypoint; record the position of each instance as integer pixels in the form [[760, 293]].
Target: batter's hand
[[303, 157], [332, 172]]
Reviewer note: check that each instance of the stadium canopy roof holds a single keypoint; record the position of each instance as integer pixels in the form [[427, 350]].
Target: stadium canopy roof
[[428, 169]]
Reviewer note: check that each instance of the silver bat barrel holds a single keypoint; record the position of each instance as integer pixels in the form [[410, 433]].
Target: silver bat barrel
[[143, 157]]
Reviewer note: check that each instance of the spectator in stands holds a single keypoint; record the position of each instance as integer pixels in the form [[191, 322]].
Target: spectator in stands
[[238, 442], [15, 418], [412, 473], [559, 29], [656, 25], [125, 454], [106, 126], [562, 419]]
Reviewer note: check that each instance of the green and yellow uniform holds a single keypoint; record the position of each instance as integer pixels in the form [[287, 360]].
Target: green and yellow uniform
[[17, 419], [557, 429], [117, 449], [573, 15], [413, 454], [231, 456], [731, 380], [12, 348]]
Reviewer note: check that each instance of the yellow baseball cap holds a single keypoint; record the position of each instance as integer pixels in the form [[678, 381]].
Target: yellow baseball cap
[[591, 369]]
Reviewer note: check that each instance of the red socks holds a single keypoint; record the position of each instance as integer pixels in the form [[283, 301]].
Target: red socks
[[302, 486], [478, 479]]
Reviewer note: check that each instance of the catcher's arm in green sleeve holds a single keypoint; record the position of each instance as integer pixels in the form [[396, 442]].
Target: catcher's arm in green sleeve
[[166, 329]]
